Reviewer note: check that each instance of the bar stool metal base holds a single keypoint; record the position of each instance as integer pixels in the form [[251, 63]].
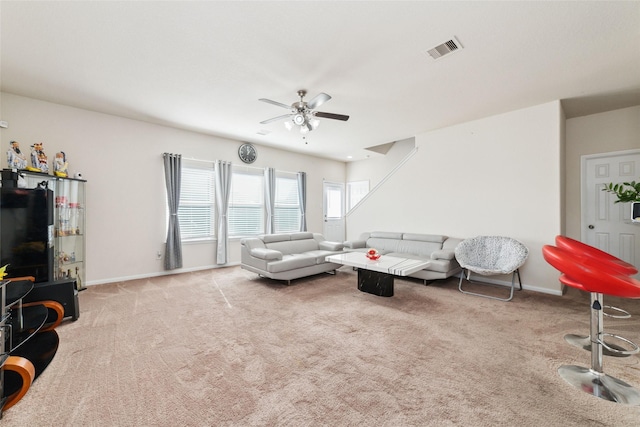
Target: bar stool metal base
[[600, 385], [584, 342]]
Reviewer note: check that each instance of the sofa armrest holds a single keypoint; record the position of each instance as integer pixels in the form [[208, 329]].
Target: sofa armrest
[[355, 244], [330, 246], [443, 254], [266, 254]]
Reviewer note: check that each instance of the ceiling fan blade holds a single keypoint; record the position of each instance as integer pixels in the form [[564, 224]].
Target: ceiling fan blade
[[264, 122], [331, 116], [318, 100], [279, 104]]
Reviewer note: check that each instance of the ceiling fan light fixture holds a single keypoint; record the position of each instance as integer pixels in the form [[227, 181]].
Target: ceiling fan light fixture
[[302, 114], [299, 119]]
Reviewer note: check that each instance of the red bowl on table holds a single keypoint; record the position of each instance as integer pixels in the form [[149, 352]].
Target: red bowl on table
[[373, 255]]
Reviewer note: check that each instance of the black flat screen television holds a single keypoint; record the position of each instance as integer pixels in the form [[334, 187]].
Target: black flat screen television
[[26, 227]]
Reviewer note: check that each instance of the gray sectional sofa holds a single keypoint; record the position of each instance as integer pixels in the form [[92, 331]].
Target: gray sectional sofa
[[288, 256], [437, 249]]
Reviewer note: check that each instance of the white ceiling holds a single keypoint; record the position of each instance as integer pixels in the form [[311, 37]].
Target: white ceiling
[[203, 65]]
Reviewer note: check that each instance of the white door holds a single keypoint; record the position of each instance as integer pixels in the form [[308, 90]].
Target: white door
[[605, 224], [333, 211]]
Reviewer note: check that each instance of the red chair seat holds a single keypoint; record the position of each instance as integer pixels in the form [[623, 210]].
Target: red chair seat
[[588, 253], [564, 279], [596, 276]]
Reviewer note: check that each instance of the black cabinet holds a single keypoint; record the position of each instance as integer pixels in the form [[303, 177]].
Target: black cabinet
[[62, 291], [26, 238]]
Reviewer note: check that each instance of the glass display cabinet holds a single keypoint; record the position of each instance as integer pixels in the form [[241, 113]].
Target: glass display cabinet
[[67, 235], [69, 230], [60, 271]]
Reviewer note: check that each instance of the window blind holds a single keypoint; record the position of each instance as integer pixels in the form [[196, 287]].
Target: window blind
[[287, 204], [196, 213], [246, 205]]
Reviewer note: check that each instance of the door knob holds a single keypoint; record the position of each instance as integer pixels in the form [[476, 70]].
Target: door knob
[[591, 227]]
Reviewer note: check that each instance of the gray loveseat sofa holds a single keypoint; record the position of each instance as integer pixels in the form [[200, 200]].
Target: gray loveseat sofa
[[288, 256], [437, 249]]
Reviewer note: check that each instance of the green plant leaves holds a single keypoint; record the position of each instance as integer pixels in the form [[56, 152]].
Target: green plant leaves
[[625, 192]]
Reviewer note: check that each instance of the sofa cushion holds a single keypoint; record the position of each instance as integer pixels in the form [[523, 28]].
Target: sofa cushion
[[264, 253], [355, 244], [291, 262], [252, 242], [330, 246], [383, 245], [435, 238], [414, 247], [443, 254], [270, 238], [294, 246], [386, 235], [301, 235], [320, 255], [441, 266]]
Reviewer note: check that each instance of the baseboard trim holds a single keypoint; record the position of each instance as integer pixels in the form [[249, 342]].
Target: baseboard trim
[[157, 274], [477, 278], [484, 279]]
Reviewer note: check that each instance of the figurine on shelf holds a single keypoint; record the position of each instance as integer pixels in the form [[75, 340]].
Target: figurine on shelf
[[60, 164], [38, 159], [16, 158], [79, 280]]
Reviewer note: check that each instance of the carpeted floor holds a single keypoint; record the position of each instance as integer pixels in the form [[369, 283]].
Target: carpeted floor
[[226, 348]]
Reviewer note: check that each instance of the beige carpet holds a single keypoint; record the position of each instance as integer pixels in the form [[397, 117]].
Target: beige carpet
[[226, 348]]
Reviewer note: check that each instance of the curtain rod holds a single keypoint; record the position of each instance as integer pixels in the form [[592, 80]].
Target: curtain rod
[[191, 159]]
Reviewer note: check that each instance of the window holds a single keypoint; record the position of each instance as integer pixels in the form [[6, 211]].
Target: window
[[356, 190], [247, 212], [287, 205], [196, 213], [246, 203]]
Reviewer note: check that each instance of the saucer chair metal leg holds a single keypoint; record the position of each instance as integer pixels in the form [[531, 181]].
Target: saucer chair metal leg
[[468, 278], [593, 380]]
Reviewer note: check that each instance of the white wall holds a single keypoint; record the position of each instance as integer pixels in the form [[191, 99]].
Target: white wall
[[616, 130], [122, 161], [500, 175], [377, 167]]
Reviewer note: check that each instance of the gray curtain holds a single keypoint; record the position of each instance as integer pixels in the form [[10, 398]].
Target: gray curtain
[[172, 171], [302, 195], [270, 198], [223, 189]]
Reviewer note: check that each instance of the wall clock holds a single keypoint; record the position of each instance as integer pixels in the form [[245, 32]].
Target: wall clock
[[247, 153]]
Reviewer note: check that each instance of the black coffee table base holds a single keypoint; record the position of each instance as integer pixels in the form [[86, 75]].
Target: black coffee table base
[[373, 282]]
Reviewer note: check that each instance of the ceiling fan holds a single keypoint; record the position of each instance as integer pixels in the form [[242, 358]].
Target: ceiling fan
[[303, 113]]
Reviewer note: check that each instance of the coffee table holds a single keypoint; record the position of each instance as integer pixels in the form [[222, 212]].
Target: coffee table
[[376, 277]]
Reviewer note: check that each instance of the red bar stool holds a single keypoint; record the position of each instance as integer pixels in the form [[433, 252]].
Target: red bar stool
[[589, 254], [598, 278]]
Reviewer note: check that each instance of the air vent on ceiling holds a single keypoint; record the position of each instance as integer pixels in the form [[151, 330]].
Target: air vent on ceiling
[[450, 46]]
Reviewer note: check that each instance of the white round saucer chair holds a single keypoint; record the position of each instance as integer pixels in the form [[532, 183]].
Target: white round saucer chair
[[490, 256]]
